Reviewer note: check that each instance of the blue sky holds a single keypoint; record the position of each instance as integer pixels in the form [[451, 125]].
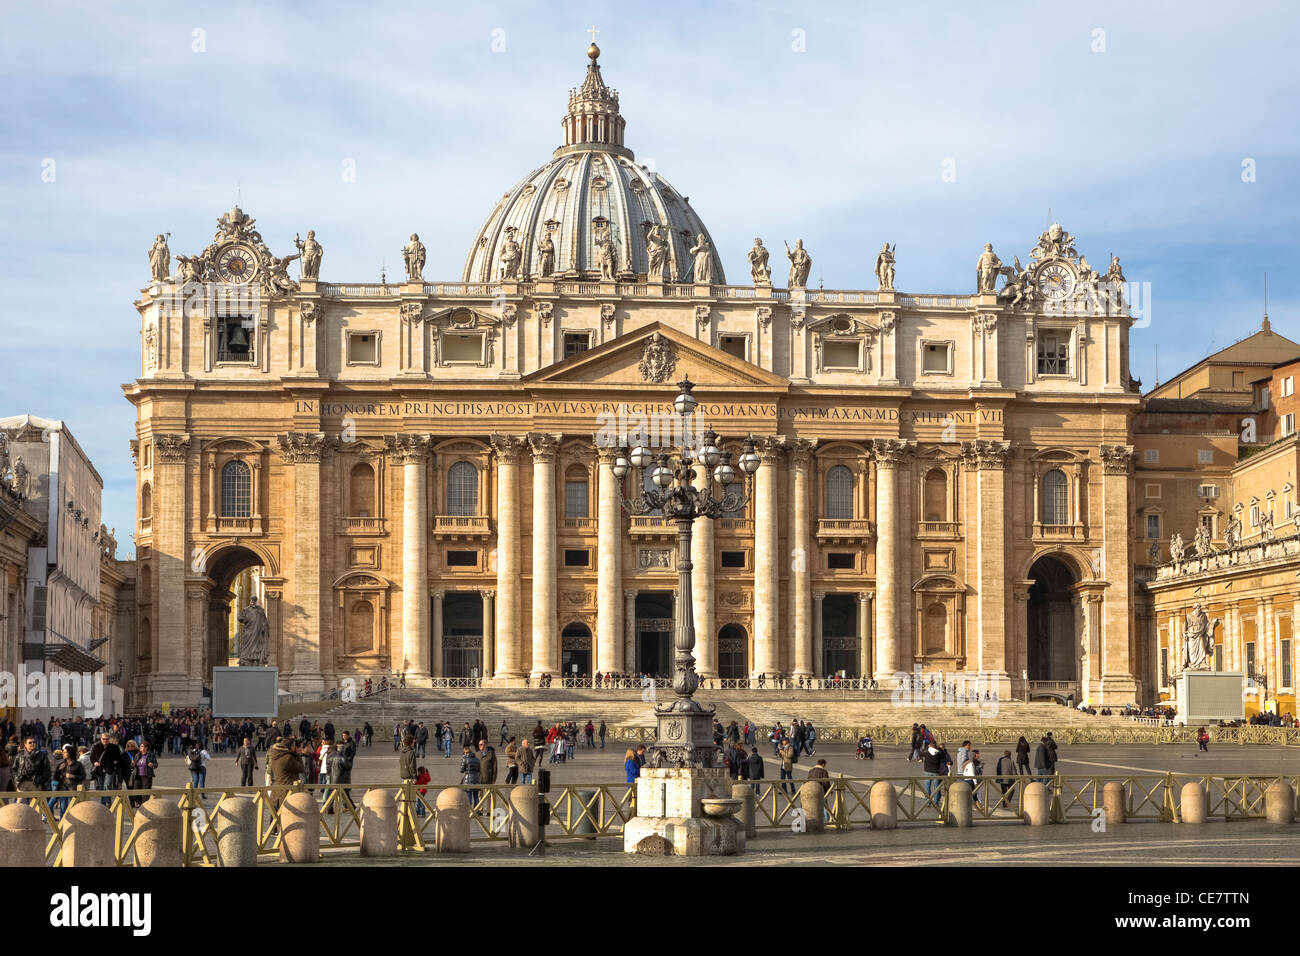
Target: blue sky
[[1137, 150]]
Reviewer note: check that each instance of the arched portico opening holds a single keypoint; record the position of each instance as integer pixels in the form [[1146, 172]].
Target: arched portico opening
[[1055, 615], [575, 650], [236, 574], [733, 652]]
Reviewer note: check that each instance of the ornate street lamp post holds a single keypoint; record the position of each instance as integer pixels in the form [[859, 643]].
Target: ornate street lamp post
[[685, 727]]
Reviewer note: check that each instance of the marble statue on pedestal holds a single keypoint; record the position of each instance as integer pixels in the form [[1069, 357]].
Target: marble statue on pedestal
[[656, 247], [987, 269], [160, 259], [758, 267], [413, 258], [254, 635], [703, 253], [311, 254], [1198, 639], [885, 267], [800, 264]]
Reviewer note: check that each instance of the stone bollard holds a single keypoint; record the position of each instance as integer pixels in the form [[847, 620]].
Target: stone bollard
[[235, 826], [812, 801], [22, 836], [87, 835], [300, 828], [159, 826], [961, 804], [585, 814], [525, 833], [1112, 801], [378, 824], [1193, 803], [1279, 802], [748, 808], [883, 801], [1038, 804], [451, 826]]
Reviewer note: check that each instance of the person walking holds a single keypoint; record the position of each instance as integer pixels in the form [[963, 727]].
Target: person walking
[[342, 758], [931, 765], [505, 733], [1022, 757], [407, 768], [787, 755], [631, 766], [246, 760], [1006, 771], [422, 739], [525, 759], [512, 761], [1043, 760], [916, 744], [754, 768], [603, 732], [469, 776], [1203, 740], [196, 762]]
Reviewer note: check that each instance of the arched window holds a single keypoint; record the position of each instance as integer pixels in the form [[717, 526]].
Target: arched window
[[462, 489], [839, 493], [236, 490], [146, 501], [576, 492], [1056, 497], [361, 491], [361, 628], [936, 495]]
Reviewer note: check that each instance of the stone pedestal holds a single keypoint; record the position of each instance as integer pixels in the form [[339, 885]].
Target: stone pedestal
[[960, 808], [159, 827], [235, 825], [525, 831], [884, 806], [300, 829], [1113, 802], [378, 824], [88, 835], [451, 825], [1193, 802], [1038, 805], [1279, 802], [669, 814]]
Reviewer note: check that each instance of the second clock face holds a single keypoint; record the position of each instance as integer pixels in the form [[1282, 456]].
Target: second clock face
[[1055, 281], [236, 264]]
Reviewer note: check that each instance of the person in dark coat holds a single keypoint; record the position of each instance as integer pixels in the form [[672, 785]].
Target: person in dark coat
[[1043, 760], [1022, 756], [246, 760], [1006, 771], [31, 767], [406, 757], [754, 768], [487, 763], [469, 774]]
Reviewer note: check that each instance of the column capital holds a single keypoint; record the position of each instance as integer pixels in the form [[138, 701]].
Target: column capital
[[487, 593], [801, 450], [630, 594], [1116, 459], [507, 447], [892, 452], [544, 445], [406, 448], [171, 448], [307, 447], [865, 597], [770, 448], [985, 455], [819, 595], [605, 453], [438, 594]]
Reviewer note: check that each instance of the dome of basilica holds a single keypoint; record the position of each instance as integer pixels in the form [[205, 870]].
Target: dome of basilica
[[591, 211]]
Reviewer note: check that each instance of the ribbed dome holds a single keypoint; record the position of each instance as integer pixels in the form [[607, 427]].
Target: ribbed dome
[[591, 189]]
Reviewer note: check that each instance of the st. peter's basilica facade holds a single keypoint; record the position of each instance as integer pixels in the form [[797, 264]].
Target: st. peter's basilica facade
[[416, 470]]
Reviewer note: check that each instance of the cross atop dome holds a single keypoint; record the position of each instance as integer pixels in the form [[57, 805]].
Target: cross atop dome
[[593, 119]]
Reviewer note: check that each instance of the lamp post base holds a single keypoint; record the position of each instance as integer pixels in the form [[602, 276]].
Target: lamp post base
[[684, 812]]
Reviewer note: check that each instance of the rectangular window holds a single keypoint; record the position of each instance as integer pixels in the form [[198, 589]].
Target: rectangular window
[[575, 499], [363, 348], [733, 559], [1207, 522], [1153, 490], [1153, 526], [1151, 456], [1286, 664], [737, 345], [464, 349], [1207, 491], [1218, 657], [577, 558], [840, 561], [462, 559], [1288, 424], [935, 358], [1254, 516], [1250, 659], [1238, 379], [1205, 456], [575, 343], [1053, 353], [1164, 667], [1288, 385], [841, 355]]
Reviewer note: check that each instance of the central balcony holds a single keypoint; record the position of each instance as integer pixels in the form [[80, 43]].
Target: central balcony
[[361, 525], [845, 529], [651, 526], [462, 526]]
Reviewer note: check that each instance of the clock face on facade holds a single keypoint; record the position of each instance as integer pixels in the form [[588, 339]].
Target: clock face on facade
[[1055, 281], [236, 264]]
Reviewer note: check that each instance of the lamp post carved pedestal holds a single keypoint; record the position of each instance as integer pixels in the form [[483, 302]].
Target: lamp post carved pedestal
[[684, 803]]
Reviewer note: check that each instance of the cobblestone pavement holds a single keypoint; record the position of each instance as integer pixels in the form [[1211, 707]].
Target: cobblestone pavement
[[378, 764]]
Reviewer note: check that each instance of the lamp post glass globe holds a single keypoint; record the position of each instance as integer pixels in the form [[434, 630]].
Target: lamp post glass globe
[[685, 402]]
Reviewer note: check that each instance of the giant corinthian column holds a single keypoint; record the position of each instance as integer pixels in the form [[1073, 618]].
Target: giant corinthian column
[[702, 559], [767, 561], [546, 659], [890, 455], [800, 581], [412, 452], [609, 578], [509, 639]]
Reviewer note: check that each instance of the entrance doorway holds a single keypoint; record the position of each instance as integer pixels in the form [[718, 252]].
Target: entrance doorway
[[1053, 626], [233, 572], [654, 633], [462, 634], [733, 653], [575, 651], [840, 639]]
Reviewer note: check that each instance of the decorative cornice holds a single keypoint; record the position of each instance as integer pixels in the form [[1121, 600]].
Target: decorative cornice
[[171, 449], [985, 455], [407, 447], [1117, 459], [301, 446]]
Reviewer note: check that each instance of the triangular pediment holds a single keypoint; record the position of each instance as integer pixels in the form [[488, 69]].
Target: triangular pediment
[[657, 354]]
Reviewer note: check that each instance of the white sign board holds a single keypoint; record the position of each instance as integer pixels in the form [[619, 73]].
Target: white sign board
[[1208, 696]]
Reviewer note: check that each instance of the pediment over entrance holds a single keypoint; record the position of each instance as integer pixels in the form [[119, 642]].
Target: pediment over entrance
[[657, 355]]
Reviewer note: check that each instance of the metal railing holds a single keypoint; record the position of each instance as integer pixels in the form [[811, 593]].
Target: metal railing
[[592, 810]]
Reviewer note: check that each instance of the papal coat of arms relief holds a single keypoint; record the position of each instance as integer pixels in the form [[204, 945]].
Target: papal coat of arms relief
[[658, 359]]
